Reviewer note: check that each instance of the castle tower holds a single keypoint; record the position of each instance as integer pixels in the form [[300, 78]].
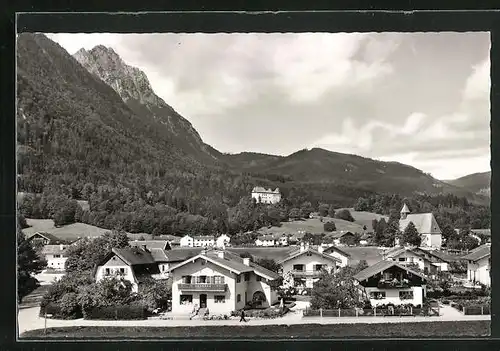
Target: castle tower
[[404, 211]]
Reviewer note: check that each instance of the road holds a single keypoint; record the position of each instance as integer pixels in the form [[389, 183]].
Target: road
[[29, 320]]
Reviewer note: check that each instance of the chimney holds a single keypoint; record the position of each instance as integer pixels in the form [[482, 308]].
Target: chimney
[[320, 249], [220, 254], [246, 261]]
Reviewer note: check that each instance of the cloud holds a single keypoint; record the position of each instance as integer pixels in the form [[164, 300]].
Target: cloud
[[419, 97]]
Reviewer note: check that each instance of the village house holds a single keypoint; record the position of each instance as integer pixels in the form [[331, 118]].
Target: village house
[[341, 237], [55, 255], [197, 241], [266, 196], [187, 241], [41, 238], [426, 261], [306, 265], [426, 225], [138, 262], [388, 282], [337, 253], [365, 239], [479, 265], [222, 241], [221, 282], [265, 240]]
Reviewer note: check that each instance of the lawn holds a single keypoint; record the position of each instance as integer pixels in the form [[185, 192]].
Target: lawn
[[311, 225], [408, 329], [70, 231]]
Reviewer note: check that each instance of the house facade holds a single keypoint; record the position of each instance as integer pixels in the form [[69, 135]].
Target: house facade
[[266, 196], [337, 253], [426, 225], [203, 240], [479, 265], [55, 255], [426, 261], [340, 237], [186, 241], [222, 241], [388, 282], [221, 282], [306, 265], [265, 240]]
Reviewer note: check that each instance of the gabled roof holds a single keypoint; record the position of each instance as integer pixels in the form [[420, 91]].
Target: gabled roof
[[53, 250], [382, 266], [150, 244], [338, 234], [405, 209], [298, 253], [398, 250], [158, 255], [424, 222], [53, 240], [230, 262], [182, 254], [478, 253], [334, 248], [259, 189], [134, 256]]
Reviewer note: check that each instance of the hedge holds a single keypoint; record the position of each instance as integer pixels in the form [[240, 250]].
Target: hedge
[[117, 313], [55, 312]]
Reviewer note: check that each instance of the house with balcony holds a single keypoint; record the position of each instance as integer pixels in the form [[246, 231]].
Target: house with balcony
[[388, 282], [55, 255], [306, 264], [425, 260], [479, 265], [137, 263], [221, 282], [265, 240]]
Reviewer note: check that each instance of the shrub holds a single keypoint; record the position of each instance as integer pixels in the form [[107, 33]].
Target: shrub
[[133, 312], [69, 305], [56, 312]]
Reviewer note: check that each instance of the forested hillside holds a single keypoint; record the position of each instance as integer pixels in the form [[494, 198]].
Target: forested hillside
[[81, 139]]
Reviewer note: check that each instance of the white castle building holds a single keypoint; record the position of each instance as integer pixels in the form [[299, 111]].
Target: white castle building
[[266, 196]]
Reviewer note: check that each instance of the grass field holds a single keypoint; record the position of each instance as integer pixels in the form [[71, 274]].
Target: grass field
[[421, 329], [70, 231], [312, 225]]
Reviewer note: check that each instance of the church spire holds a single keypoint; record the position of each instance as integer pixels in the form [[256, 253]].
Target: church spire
[[404, 211]]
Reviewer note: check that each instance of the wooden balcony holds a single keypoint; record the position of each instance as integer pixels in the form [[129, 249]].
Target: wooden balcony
[[300, 274], [387, 284], [202, 287]]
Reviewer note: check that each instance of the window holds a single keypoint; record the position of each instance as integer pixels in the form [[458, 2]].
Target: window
[[202, 279], [402, 259], [186, 299], [238, 298], [238, 278], [122, 271], [218, 279], [406, 295], [219, 299], [377, 295], [107, 271], [258, 278], [319, 267], [387, 275], [298, 267], [247, 276], [57, 256], [186, 279]]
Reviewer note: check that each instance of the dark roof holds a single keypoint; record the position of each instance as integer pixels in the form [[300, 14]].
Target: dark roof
[[54, 250], [266, 237], [338, 234], [204, 237], [257, 269], [134, 256], [182, 254], [382, 266], [150, 244], [478, 253], [334, 248], [298, 253], [53, 240], [159, 255]]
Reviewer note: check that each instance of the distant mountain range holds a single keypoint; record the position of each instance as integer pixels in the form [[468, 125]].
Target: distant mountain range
[[92, 118], [478, 183]]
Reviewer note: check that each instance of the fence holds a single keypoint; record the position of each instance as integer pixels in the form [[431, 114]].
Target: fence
[[472, 310], [372, 312]]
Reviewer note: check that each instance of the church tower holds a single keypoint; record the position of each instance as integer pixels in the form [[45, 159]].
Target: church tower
[[404, 211]]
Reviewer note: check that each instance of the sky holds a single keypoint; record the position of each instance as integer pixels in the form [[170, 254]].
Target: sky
[[417, 98]]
